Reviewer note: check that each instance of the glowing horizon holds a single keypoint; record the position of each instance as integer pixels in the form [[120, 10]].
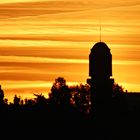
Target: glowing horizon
[[41, 40]]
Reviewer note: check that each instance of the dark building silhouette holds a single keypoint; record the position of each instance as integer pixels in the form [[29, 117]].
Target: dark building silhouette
[[100, 71], [100, 62]]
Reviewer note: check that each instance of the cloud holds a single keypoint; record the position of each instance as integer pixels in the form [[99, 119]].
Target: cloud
[[43, 40], [44, 69], [112, 35], [26, 59], [23, 9]]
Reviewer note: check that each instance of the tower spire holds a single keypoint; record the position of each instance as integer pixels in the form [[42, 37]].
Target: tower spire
[[100, 32]]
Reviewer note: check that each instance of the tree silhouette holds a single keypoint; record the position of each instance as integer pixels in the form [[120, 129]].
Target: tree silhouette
[[1, 96], [81, 97], [16, 100], [64, 103], [117, 89], [60, 93], [40, 99]]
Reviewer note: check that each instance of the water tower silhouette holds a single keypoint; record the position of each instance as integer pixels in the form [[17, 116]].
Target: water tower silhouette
[[100, 71]]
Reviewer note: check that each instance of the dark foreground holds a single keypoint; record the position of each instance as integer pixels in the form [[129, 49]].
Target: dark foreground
[[120, 122], [112, 126]]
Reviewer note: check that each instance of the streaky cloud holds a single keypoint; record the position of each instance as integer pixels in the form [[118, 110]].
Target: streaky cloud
[[29, 59], [23, 59], [23, 9]]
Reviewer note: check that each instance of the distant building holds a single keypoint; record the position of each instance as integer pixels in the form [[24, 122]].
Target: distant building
[[100, 62], [100, 71]]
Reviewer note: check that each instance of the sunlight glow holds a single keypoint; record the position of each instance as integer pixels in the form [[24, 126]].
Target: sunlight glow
[[41, 40]]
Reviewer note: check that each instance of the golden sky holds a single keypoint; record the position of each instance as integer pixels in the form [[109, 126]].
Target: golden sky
[[43, 39]]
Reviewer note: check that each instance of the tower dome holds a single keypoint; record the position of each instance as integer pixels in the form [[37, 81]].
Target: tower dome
[[100, 62], [100, 47]]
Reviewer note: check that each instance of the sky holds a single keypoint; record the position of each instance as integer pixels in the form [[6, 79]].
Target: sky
[[41, 40]]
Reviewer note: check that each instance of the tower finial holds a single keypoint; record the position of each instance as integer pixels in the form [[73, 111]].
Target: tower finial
[[100, 32]]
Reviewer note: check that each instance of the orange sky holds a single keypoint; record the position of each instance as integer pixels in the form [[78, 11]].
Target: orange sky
[[41, 40]]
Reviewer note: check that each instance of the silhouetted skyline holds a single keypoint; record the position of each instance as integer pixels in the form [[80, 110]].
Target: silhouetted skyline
[[101, 106], [44, 64]]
